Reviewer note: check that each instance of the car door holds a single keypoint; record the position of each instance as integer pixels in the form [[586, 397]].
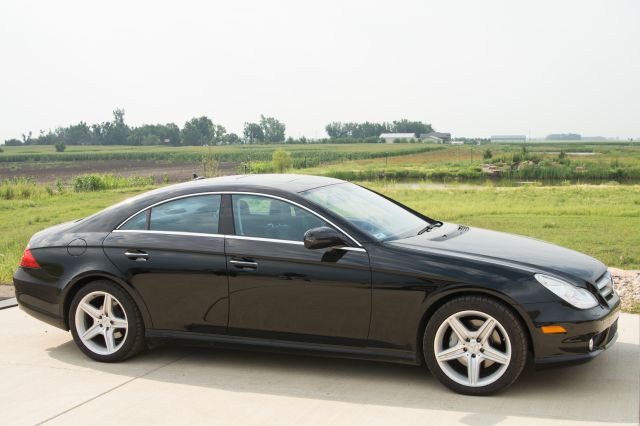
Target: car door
[[280, 289], [173, 255]]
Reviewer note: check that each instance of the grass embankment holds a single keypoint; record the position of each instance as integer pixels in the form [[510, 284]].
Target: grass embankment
[[601, 221], [585, 163]]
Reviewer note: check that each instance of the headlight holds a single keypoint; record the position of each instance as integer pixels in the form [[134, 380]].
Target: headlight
[[578, 297]]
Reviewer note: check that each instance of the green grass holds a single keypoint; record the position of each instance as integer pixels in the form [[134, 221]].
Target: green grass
[[464, 163], [602, 221]]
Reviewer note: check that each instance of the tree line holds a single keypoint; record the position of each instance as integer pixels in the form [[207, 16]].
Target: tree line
[[201, 131], [367, 129], [196, 132]]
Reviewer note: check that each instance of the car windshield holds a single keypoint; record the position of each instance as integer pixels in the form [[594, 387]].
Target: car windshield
[[367, 211]]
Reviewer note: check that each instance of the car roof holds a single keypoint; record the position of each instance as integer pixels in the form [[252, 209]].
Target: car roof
[[276, 184], [282, 182]]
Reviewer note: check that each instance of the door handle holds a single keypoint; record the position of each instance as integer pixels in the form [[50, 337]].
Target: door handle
[[244, 264], [137, 255]]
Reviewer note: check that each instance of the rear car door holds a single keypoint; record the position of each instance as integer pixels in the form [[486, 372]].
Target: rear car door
[[280, 289], [173, 255]]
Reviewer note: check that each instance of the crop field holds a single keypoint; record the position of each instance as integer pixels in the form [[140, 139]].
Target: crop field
[[44, 165]]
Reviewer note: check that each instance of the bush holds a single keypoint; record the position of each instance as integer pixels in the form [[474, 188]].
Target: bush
[[60, 147], [281, 160], [102, 182]]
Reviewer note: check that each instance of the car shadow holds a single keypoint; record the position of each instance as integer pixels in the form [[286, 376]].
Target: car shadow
[[598, 391]]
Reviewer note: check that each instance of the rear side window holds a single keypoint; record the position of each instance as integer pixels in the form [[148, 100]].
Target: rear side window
[[197, 214], [136, 223]]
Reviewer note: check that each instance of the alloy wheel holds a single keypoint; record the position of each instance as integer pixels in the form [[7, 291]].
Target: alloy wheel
[[472, 348], [101, 323]]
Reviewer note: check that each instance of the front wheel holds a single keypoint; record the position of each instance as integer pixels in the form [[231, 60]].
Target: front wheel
[[105, 322], [475, 345]]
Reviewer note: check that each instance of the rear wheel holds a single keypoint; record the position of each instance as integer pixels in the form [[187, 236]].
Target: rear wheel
[[105, 322], [475, 345]]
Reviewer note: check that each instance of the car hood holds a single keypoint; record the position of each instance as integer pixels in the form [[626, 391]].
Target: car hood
[[502, 247]]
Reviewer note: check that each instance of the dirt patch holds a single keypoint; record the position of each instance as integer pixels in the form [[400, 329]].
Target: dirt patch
[[65, 171]]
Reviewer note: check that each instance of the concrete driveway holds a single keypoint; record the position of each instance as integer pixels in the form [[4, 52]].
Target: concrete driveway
[[45, 379]]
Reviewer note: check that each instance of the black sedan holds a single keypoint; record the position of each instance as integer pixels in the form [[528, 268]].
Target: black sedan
[[319, 266]]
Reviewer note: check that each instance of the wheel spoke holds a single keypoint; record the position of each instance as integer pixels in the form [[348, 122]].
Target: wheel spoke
[[119, 323], [485, 330], [473, 370], [461, 331], [91, 332], [109, 340], [495, 355], [451, 353], [107, 307], [90, 310]]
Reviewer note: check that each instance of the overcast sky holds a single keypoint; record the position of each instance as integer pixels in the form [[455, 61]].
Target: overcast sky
[[473, 68]]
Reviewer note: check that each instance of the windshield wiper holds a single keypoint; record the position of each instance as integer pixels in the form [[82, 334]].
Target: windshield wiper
[[429, 227]]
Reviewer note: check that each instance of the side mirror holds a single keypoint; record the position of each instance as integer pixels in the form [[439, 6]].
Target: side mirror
[[322, 237]]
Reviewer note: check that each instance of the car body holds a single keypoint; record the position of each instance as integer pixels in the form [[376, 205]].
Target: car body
[[249, 280]]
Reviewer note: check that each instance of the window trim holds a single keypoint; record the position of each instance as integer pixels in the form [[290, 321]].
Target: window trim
[[240, 237]]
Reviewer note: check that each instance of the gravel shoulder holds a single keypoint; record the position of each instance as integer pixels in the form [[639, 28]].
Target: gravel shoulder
[[627, 284], [7, 292]]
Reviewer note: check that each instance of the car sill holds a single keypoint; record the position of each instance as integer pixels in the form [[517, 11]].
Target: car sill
[[302, 348]]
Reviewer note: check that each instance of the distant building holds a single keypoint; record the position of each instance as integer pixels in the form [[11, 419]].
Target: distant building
[[438, 137], [508, 138], [564, 137], [392, 137]]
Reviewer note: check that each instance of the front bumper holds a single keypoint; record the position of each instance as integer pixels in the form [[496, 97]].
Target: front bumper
[[599, 324]]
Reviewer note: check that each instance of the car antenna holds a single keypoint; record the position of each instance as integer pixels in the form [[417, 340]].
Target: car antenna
[[196, 177]]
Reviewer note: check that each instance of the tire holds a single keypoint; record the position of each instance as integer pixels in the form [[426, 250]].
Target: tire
[[105, 322], [492, 358]]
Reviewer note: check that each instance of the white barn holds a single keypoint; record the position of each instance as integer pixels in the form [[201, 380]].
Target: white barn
[[392, 137]]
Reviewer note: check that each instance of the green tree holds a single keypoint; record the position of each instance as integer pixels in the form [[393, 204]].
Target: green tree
[[281, 160], [487, 154], [218, 134], [12, 142], [60, 147], [415, 127], [232, 139], [115, 132], [198, 132], [253, 133], [272, 129]]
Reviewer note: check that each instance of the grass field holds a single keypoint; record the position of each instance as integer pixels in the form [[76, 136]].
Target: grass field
[[588, 163], [602, 221]]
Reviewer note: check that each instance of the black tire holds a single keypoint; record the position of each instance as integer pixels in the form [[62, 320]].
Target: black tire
[[133, 342], [510, 323]]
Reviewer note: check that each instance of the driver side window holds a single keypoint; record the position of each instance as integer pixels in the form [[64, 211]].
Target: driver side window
[[265, 217]]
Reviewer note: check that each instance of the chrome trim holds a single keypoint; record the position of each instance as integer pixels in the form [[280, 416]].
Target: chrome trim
[[231, 193], [149, 231], [269, 240], [358, 249], [243, 264], [605, 285]]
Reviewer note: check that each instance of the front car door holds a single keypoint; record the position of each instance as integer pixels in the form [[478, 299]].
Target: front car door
[[280, 289], [173, 254]]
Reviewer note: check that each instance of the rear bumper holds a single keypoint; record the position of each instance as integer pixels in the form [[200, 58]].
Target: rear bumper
[[39, 299], [598, 325]]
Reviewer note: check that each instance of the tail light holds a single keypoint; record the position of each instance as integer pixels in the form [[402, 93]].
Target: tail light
[[28, 261]]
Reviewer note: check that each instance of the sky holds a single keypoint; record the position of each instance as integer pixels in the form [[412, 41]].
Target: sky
[[472, 68]]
